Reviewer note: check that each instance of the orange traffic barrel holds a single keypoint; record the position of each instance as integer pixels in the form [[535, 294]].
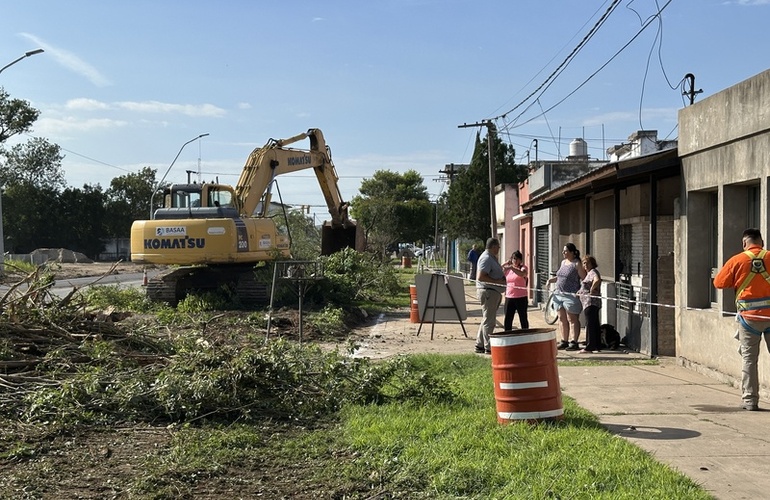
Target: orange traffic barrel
[[525, 375], [414, 310], [406, 262]]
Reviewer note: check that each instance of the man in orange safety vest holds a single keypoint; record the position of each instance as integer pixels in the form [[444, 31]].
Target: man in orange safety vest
[[747, 273]]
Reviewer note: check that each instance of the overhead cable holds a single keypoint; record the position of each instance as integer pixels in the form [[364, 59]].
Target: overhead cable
[[616, 54], [568, 59]]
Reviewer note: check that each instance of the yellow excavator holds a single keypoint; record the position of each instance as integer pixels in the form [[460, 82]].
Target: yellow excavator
[[217, 234]]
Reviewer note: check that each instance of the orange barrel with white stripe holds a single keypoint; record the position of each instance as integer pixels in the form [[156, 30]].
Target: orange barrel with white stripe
[[414, 310], [526, 377]]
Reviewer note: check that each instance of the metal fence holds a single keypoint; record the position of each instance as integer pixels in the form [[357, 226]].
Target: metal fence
[[632, 298]]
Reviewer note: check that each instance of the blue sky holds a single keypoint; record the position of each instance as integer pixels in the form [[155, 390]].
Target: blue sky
[[122, 85]]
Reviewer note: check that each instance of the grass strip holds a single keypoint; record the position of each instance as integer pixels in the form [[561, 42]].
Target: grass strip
[[459, 450]]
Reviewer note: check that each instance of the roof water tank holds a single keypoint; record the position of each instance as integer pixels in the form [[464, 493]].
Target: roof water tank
[[578, 148]]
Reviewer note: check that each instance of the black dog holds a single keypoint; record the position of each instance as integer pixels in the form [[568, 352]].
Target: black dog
[[610, 337]]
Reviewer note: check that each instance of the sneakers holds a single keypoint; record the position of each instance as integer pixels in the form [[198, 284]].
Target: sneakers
[[479, 350], [748, 406], [573, 346], [562, 345], [488, 351]]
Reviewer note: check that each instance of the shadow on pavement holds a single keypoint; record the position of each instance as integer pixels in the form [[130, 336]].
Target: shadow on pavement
[[641, 432]]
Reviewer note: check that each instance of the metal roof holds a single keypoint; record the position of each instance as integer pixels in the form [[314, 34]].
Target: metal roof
[[617, 174]]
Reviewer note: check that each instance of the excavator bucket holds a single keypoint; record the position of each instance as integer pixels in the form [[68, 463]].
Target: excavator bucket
[[334, 239]]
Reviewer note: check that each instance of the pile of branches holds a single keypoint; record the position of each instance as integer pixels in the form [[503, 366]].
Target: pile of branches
[[62, 363], [36, 324], [47, 340]]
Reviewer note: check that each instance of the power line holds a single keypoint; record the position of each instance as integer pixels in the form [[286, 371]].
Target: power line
[[568, 59], [658, 40], [590, 77], [95, 160], [86, 157], [553, 58]]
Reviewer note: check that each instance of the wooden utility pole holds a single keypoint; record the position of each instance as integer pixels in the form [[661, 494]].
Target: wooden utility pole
[[491, 131]]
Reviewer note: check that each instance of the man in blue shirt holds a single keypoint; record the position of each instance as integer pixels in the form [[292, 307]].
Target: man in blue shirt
[[473, 258], [490, 284]]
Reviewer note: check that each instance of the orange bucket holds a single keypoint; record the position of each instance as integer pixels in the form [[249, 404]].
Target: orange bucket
[[525, 375], [414, 310]]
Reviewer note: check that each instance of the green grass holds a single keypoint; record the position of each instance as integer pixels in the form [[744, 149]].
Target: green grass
[[440, 450], [460, 451], [18, 266]]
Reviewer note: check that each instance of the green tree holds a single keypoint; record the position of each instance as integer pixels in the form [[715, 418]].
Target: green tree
[[29, 220], [82, 216], [467, 201], [16, 116], [127, 200], [36, 162], [393, 208], [305, 237]]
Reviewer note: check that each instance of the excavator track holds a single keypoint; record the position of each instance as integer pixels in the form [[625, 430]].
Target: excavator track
[[173, 286]]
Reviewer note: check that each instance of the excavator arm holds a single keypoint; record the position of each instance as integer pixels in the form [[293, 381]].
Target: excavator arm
[[274, 158]]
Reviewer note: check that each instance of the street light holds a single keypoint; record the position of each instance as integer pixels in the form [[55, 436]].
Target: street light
[[2, 236], [152, 198], [26, 54]]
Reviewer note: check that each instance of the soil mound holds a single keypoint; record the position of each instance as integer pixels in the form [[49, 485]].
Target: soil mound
[[61, 255]]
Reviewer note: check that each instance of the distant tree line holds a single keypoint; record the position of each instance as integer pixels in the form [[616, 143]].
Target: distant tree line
[[41, 211]]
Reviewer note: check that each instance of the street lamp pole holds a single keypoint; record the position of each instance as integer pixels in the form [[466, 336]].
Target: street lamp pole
[[26, 54], [2, 236], [155, 190]]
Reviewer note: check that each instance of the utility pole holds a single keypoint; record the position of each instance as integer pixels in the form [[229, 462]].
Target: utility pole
[[491, 131], [692, 92], [450, 170]]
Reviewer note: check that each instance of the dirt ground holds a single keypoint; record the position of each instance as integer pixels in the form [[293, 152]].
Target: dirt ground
[[94, 269], [381, 336], [76, 270], [97, 464]]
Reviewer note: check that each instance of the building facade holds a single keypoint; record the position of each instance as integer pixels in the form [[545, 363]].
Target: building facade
[[724, 145]]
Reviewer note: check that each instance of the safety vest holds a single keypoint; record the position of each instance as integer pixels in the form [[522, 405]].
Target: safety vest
[[757, 268]]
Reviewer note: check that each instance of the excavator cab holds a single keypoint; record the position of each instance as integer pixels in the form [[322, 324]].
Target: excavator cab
[[197, 201]]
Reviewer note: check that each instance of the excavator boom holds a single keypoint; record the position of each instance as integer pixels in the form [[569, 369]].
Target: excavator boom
[[273, 159]]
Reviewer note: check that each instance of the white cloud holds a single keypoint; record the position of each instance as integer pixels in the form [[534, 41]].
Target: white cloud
[[71, 61], [753, 2], [244, 105], [85, 104], [163, 107], [648, 115], [57, 127], [195, 110]]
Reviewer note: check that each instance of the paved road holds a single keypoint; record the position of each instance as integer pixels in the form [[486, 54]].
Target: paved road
[[64, 286]]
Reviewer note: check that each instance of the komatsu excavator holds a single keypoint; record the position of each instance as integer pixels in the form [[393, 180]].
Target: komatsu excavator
[[217, 234]]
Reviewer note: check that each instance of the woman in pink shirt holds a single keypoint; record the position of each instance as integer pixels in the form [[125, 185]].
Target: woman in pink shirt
[[516, 292]]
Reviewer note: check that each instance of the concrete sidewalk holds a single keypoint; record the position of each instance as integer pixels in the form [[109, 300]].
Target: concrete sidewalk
[[685, 419]]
